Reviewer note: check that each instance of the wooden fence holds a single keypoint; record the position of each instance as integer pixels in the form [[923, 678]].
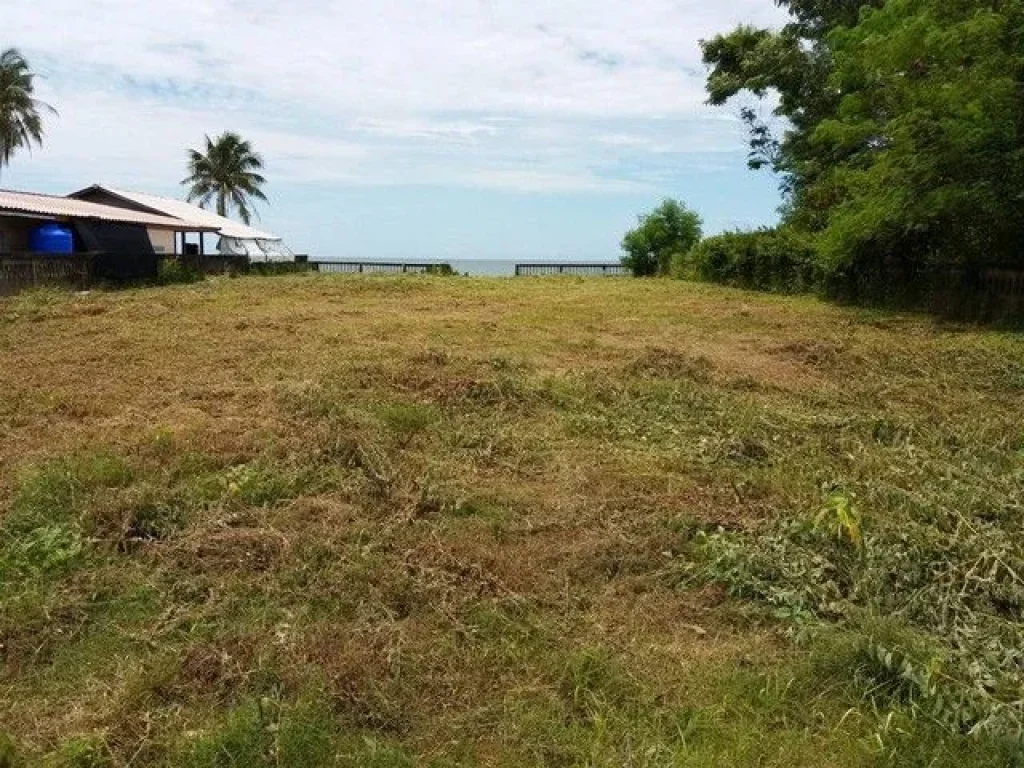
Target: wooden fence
[[22, 272], [380, 267], [572, 268], [992, 293]]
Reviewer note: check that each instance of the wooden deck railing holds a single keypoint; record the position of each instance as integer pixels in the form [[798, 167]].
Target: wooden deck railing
[[19, 272], [572, 268], [380, 267]]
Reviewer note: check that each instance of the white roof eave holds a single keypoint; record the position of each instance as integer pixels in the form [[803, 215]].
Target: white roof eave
[[188, 212]]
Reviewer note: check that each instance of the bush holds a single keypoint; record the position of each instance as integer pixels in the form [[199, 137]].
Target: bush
[[767, 260], [172, 271], [669, 229], [932, 604], [442, 270]]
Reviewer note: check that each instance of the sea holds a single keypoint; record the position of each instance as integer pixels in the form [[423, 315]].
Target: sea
[[485, 267]]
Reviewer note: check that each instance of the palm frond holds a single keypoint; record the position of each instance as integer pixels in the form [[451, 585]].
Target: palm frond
[[21, 124], [225, 173]]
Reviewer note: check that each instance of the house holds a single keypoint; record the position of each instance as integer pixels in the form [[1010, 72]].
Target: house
[[21, 212], [120, 239], [236, 239]]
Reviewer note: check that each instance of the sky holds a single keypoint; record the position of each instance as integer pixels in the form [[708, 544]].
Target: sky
[[402, 128]]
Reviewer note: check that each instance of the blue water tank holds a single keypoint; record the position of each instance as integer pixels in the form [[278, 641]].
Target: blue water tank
[[51, 237]]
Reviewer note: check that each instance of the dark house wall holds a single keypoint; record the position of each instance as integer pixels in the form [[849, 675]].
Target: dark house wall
[[162, 240], [125, 253], [14, 233]]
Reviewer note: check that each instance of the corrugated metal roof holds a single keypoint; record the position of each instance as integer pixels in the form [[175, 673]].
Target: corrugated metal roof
[[188, 212], [67, 208]]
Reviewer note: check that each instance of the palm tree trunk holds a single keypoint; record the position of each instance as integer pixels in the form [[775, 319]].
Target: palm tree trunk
[[222, 204]]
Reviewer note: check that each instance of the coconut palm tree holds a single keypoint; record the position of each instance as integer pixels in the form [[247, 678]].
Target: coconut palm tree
[[226, 173], [21, 124]]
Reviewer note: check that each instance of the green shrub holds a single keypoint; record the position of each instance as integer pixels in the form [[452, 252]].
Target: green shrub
[[172, 271], [441, 270], [949, 588], [767, 260], [651, 247]]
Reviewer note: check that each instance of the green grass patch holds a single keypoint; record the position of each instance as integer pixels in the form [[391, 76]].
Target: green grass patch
[[664, 525]]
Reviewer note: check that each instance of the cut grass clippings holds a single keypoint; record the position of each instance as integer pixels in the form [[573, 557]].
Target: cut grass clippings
[[388, 521]]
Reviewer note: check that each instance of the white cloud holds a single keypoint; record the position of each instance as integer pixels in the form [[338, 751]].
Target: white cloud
[[519, 94], [527, 180], [420, 128]]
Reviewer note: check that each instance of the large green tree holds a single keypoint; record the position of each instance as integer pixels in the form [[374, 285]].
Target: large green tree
[[227, 174], [927, 141], [21, 122], [903, 126], [669, 230], [791, 68]]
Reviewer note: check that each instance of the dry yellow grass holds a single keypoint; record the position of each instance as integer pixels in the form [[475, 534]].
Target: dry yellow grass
[[448, 512]]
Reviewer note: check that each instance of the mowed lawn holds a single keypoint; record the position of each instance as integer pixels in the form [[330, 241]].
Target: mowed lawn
[[316, 520]]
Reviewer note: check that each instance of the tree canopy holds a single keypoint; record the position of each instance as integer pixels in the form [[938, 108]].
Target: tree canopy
[[21, 122], [668, 230], [227, 174], [903, 125], [927, 141]]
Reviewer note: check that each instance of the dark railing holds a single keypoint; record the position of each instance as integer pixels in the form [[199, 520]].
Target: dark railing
[[572, 268], [380, 267], [19, 272]]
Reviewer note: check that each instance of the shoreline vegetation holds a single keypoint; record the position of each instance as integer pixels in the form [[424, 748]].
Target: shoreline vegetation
[[896, 131], [389, 521]]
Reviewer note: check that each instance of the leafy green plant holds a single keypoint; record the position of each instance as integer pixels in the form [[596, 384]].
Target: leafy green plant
[[899, 143], [948, 585], [768, 260], [44, 530], [174, 271], [669, 229]]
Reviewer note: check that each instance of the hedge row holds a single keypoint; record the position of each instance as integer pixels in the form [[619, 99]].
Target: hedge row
[[767, 260], [783, 261]]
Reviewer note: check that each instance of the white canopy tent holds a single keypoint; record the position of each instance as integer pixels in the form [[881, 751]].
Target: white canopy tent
[[256, 249]]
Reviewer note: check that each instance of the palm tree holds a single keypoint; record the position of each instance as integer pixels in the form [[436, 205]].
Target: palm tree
[[227, 172], [20, 122]]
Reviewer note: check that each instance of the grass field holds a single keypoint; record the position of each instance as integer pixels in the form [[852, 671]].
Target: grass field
[[307, 521]]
